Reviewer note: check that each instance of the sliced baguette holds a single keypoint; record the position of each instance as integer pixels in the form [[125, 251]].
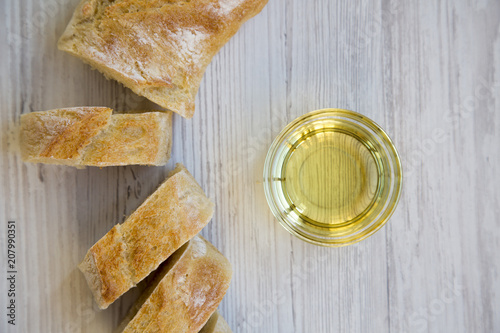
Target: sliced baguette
[[93, 136], [159, 49], [216, 324], [186, 291], [171, 216]]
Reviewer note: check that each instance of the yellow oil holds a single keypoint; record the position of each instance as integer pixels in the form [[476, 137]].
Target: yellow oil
[[329, 177]]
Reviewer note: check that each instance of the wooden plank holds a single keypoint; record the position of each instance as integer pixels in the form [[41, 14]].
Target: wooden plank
[[427, 72]]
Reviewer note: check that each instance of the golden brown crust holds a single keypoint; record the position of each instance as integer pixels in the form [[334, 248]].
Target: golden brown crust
[[77, 135], [106, 268], [187, 293], [132, 139], [177, 211], [159, 49], [92, 136], [61, 135], [172, 215]]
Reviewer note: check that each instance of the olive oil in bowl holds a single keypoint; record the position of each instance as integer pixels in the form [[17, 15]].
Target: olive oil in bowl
[[332, 177]]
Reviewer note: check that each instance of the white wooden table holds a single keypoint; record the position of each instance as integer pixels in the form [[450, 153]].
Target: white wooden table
[[428, 72]]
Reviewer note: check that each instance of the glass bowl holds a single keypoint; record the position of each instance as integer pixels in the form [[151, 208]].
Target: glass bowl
[[332, 177]]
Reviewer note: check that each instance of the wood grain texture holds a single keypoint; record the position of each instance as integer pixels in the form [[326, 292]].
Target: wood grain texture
[[427, 72]]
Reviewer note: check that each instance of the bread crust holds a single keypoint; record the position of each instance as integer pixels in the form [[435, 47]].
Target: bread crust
[[216, 324], [93, 136], [168, 218], [187, 290], [182, 205], [60, 136], [106, 268], [158, 48]]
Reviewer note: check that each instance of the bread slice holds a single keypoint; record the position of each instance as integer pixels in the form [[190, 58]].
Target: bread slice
[[93, 136], [171, 216], [158, 48], [216, 324], [186, 291]]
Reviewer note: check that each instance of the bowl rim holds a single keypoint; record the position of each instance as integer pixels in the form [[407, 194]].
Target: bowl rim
[[356, 119]]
